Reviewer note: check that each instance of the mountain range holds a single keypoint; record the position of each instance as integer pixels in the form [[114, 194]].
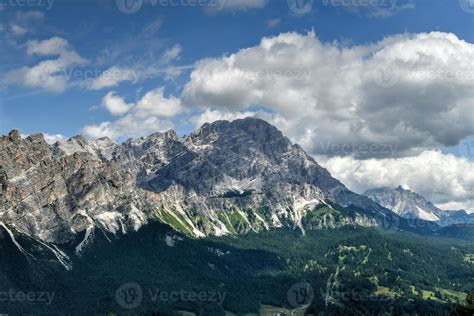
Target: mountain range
[[225, 178], [234, 207]]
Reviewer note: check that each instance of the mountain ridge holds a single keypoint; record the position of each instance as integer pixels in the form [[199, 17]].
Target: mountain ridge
[[225, 178]]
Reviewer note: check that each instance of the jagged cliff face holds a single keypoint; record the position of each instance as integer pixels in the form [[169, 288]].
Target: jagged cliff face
[[55, 192], [226, 178]]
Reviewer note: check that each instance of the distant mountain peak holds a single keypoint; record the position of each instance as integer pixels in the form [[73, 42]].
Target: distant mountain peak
[[410, 204]]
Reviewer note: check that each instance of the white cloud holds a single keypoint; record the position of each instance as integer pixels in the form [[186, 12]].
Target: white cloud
[[25, 22], [149, 114], [156, 104], [171, 54], [52, 139], [18, 30], [53, 46], [172, 72], [444, 179], [113, 76], [327, 95], [455, 206], [138, 70], [49, 138], [116, 105], [128, 126], [48, 74]]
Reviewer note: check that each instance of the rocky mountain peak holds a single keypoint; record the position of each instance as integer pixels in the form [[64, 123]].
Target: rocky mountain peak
[[254, 127], [171, 134], [14, 135], [252, 138], [79, 139], [36, 138], [105, 142]]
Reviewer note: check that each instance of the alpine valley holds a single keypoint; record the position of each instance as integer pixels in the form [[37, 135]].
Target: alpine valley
[[234, 211]]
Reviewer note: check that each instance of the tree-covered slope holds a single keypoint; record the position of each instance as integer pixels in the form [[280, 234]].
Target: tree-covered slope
[[352, 270]]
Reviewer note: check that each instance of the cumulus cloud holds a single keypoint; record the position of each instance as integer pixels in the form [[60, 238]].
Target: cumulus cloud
[[149, 114], [154, 103], [48, 74], [444, 179], [116, 105], [399, 93]]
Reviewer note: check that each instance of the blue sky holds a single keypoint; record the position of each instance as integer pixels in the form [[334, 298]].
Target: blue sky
[[71, 67], [94, 27]]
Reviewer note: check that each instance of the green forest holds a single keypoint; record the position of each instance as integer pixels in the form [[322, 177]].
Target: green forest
[[351, 271]]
